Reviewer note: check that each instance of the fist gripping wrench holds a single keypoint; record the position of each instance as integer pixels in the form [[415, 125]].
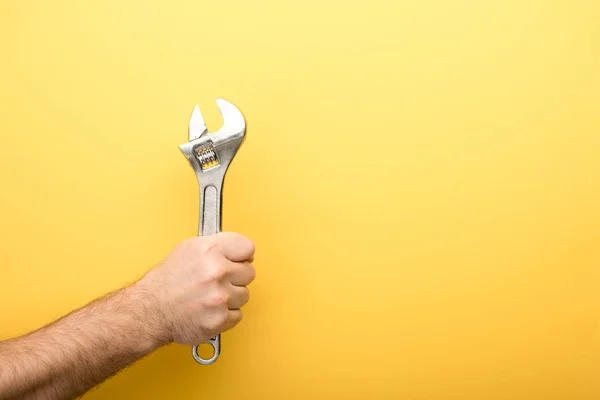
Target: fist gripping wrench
[[210, 154]]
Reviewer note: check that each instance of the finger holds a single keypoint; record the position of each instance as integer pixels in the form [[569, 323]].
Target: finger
[[234, 318], [238, 297], [241, 273], [236, 247]]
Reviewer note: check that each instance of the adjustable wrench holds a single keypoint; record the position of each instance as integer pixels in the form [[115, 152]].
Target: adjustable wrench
[[210, 154]]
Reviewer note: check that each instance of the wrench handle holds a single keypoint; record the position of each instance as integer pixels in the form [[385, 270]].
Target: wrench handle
[[210, 213], [209, 224]]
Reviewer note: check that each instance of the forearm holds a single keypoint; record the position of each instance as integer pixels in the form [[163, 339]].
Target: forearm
[[82, 349], [192, 295]]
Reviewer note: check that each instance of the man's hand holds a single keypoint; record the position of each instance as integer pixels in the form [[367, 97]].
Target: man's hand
[[199, 289], [194, 294]]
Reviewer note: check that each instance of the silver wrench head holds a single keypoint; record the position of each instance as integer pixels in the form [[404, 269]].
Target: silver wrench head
[[212, 153]]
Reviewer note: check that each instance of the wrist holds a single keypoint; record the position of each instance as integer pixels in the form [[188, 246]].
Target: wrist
[[144, 307]]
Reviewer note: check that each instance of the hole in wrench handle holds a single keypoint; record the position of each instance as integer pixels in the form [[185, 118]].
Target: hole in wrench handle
[[216, 345]]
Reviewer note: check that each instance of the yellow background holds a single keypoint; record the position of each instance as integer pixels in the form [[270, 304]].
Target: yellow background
[[421, 179]]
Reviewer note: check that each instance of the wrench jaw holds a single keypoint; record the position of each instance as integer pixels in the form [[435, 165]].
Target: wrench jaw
[[210, 155]]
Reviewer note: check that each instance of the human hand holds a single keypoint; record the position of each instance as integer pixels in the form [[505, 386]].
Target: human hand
[[199, 289]]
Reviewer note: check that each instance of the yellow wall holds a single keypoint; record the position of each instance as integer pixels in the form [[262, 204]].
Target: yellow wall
[[421, 178]]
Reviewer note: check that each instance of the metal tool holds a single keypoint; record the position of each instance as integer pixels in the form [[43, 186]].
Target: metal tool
[[209, 155]]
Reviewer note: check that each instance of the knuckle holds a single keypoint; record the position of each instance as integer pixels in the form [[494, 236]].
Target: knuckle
[[241, 298], [238, 316], [216, 272], [216, 323], [220, 298], [242, 242], [245, 297], [220, 319], [251, 272], [248, 245], [217, 319], [209, 247], [206, 246]]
